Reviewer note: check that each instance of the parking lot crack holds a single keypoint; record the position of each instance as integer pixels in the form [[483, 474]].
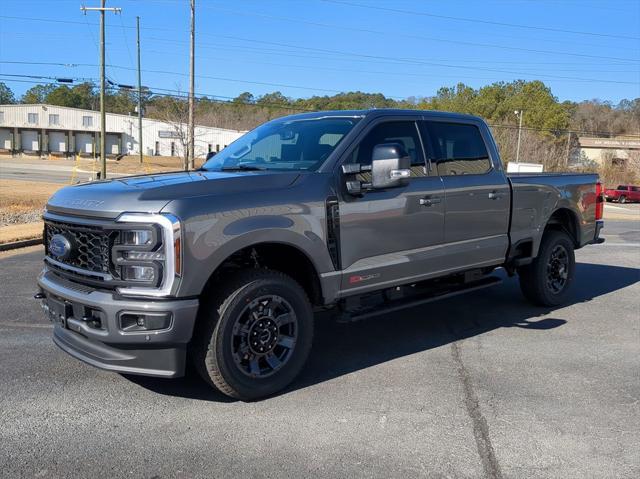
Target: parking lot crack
[[480, 426]]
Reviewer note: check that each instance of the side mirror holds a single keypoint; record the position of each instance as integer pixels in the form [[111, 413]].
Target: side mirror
[[390, 166]]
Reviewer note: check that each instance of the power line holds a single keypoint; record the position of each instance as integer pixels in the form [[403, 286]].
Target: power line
[[485, 22], [421, 62], [459, 42], [396, 34]]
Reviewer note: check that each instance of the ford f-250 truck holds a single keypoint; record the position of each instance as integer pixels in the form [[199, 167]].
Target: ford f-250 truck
[[364, 212]]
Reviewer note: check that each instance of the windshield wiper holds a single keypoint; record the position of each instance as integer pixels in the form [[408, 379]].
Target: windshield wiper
[[242, 168]]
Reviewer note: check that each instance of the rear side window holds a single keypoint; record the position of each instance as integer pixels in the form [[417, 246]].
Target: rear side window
[[458, 149], [635, 188]]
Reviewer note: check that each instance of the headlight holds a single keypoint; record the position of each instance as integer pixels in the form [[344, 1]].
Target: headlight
[[148, 254], [137, 237], [138, 273]]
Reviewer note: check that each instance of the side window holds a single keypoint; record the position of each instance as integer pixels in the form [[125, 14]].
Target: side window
[[403, 132], [458, 149]]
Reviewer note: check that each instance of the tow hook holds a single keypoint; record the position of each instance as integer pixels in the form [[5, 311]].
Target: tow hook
[[39, 295]]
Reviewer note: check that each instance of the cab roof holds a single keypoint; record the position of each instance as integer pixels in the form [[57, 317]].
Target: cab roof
[[379, 112]]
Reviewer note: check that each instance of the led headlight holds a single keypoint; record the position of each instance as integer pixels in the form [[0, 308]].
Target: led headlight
[[137, 237], [138, 273], [148, 253]]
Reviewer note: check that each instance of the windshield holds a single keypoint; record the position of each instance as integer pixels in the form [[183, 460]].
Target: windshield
[[300, 144]]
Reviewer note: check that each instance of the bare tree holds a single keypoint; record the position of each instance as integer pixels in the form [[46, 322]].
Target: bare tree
[[174, 111]]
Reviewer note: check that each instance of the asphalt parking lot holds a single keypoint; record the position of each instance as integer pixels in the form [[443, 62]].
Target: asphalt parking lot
[[481, 385]]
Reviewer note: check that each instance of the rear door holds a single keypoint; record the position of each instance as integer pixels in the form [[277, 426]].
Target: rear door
[[477, 193], [387, 236]]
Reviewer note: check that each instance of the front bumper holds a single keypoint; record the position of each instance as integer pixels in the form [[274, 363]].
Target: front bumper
[[151, 352]]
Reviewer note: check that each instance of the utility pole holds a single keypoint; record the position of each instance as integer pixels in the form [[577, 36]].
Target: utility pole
[[103, 135], [191, 147], [519, 114], [566, 161], [139, 91]]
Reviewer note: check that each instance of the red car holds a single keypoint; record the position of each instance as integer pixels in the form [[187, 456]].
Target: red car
[[623, 194]]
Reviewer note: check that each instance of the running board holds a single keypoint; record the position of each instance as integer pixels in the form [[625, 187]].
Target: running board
[[398, 305]]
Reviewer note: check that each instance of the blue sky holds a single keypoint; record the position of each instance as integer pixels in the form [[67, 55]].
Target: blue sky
[[583, 49]]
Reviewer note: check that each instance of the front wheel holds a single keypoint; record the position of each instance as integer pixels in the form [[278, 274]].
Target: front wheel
[[623, 199], [254, 337], [547, 280]]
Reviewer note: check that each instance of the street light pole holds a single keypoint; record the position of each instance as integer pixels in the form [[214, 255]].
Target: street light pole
[[139, 92], [519, 113], [191, 147], [103, 135]]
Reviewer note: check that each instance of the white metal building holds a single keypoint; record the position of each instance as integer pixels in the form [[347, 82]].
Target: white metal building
[[48, 129]]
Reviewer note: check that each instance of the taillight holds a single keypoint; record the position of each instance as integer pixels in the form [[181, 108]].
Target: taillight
[[599, 201]]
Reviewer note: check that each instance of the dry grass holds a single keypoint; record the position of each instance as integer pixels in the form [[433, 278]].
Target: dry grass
[[21, 202], [131, 165], [18, 194], [11, 233]]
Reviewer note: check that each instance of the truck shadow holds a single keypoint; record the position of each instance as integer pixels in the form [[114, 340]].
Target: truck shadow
[[343, 348]]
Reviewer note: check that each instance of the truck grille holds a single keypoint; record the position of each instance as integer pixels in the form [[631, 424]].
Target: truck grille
[[91, 246]]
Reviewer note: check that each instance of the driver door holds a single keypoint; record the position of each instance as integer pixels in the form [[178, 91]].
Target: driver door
[[391, 235]]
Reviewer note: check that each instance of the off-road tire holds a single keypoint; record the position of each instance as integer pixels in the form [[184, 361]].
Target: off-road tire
[[534, 277], [212, 351]]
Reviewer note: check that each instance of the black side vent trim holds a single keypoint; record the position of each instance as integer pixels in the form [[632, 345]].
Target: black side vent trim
[[333, 231]]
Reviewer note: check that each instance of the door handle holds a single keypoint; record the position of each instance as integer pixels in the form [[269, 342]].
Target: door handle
[[429, 201], [494, 196]]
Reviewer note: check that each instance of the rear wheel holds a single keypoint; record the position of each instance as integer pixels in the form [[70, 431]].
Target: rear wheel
[[547, 280], [622, 199], [255, 336]]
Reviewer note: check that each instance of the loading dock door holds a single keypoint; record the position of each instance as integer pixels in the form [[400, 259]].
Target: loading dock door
[[57, 142], [5, 139], [84, 143], [30, 141], [113, 145]]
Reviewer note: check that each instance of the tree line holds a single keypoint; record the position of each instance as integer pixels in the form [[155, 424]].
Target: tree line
[[496, 103], [547, 121]]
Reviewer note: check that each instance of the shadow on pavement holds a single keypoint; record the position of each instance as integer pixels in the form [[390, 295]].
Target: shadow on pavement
[[341, 349]]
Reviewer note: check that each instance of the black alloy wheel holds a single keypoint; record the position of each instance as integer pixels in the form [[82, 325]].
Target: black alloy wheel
[[264, 336], [557, 269]]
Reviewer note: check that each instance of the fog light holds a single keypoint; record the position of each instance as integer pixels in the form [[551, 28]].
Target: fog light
[[138, 273], [134, 321]]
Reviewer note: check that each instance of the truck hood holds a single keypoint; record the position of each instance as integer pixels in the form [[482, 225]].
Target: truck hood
[[150, 193]]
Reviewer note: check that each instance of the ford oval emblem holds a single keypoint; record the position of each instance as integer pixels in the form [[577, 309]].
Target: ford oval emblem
[[60, 246]]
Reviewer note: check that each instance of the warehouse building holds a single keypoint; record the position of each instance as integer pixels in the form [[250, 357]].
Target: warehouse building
[[43, 130], [617, 150]]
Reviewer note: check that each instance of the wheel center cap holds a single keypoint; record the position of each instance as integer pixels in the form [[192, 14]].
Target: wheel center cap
[[263, 336]]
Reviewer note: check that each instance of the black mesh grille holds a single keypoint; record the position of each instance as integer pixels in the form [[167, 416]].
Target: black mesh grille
[[90, 246]]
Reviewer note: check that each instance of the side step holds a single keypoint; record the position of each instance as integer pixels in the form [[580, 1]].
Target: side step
[[417, 301]]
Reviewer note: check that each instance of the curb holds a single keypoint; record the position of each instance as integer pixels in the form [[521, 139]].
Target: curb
[[20, 244]]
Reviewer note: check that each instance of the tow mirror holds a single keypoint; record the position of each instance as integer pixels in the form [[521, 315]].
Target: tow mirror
[[390, 166]]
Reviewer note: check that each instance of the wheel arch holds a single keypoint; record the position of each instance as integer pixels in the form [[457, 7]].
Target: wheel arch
[[279, 256], [565, 219]]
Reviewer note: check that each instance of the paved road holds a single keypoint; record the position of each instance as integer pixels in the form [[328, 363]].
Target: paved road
[[50, 174], [476, 386], [53, 171]]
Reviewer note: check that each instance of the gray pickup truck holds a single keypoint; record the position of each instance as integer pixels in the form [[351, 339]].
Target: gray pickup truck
[[362, 212]]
